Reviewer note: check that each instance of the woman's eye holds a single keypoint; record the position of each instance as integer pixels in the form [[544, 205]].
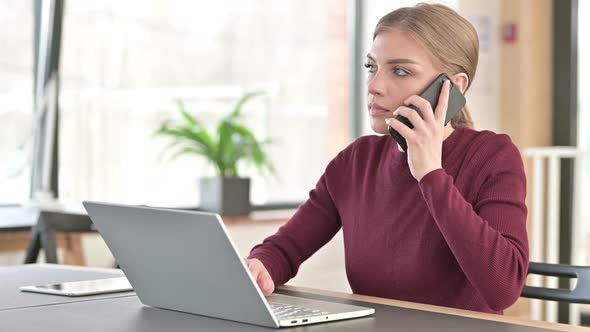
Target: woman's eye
[[370, 68], [401, 72]]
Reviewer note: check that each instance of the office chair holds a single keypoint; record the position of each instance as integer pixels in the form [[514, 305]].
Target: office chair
[[580, 294]]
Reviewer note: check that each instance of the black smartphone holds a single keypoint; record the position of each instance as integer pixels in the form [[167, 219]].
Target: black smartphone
[[456, 103]]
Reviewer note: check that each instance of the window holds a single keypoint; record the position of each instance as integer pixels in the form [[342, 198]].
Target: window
[[124, 64], [16, 96]]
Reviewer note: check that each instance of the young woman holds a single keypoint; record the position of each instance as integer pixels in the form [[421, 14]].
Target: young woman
[[443, 223]]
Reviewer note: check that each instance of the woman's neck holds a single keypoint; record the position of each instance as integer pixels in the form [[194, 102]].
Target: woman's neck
[[448, 131]]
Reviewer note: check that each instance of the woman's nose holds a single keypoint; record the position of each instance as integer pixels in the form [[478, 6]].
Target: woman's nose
[[375, 85]]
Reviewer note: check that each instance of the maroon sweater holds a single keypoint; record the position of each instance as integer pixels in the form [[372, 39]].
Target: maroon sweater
[[457, 238]]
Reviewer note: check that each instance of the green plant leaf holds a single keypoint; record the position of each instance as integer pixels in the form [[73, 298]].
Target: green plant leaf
[[187, 116], [250, 149], [232, 142], [186, 150], [199, 139], [225, 146], [237, 109], [167, 149]]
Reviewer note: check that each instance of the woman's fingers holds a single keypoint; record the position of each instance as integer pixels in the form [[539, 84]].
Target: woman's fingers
[[443, 103], [423, 105], [265, 283], [401, 128], [411, 115], [261, 275]]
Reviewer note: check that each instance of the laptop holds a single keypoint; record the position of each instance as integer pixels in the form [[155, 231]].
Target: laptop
[[186, 261]]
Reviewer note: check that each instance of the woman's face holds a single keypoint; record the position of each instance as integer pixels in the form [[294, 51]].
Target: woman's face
[[397, 67]]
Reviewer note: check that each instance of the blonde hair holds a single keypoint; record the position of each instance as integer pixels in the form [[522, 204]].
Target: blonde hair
[[449, 37]]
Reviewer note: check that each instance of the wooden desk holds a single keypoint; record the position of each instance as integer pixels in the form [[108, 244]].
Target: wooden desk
[[19, 231], [70, 243], [258, 217], [48, 228]]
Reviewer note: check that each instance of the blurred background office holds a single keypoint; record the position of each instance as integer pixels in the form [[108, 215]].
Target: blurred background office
[[122, 65]]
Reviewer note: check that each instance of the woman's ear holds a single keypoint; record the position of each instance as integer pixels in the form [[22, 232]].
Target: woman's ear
[[461, 81]]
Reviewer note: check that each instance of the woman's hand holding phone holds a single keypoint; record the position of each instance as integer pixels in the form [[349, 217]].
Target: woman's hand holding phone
[[426, 138]]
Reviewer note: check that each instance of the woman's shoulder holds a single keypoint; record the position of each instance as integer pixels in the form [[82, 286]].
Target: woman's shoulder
[[489, 146], [369, 145], [368, 141], [488, 138], [365, 147], [485, 136]]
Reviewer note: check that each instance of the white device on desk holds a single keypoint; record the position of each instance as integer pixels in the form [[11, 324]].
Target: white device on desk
[[82, 288], [186, 261]]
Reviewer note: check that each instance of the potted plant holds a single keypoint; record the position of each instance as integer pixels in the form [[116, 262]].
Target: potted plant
[[229, 145]]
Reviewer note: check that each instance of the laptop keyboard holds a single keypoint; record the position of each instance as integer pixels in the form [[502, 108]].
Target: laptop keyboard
[[286, 311]]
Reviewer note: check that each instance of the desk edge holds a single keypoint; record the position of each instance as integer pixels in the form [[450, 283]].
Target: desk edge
[[438, 309]]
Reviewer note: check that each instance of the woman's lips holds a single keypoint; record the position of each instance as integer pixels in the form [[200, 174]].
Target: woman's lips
[[376, 110]]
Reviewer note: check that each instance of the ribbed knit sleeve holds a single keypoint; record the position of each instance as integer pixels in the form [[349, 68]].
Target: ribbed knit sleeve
[[311, 227], [487, 238]]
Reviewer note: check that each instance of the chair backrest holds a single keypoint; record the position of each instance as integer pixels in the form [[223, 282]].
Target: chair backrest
[[580, 294]]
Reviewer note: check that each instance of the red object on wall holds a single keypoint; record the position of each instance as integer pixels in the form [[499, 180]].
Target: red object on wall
[[509, 33]]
